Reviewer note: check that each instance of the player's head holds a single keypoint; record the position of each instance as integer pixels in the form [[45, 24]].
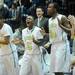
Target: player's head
[[29, 21], [52, 9]]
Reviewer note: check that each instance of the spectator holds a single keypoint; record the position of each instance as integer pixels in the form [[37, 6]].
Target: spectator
[[72, 22], [39, 2], [26, 3], [14, 14], [8, 2], [40, 21], [4, 11]]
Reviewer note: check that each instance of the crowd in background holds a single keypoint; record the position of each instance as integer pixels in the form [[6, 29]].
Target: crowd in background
[[21, 8]]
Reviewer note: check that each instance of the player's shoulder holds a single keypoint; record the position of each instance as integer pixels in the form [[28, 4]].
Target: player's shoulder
[[61, 16], [24, 30], [6, 25]]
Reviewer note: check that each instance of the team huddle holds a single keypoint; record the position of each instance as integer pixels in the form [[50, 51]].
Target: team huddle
[[33, 38]]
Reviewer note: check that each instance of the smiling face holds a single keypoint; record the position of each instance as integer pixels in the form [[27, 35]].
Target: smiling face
[[29, 21], [39, 12]]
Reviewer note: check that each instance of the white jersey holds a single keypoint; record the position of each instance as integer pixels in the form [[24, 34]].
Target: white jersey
[[8, 63], [56, 34], [60, 53], [27, 37], [5, 31]]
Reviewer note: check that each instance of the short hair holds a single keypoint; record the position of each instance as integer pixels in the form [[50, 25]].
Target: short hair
[[40, 8], [30, 16], [56, 6]]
